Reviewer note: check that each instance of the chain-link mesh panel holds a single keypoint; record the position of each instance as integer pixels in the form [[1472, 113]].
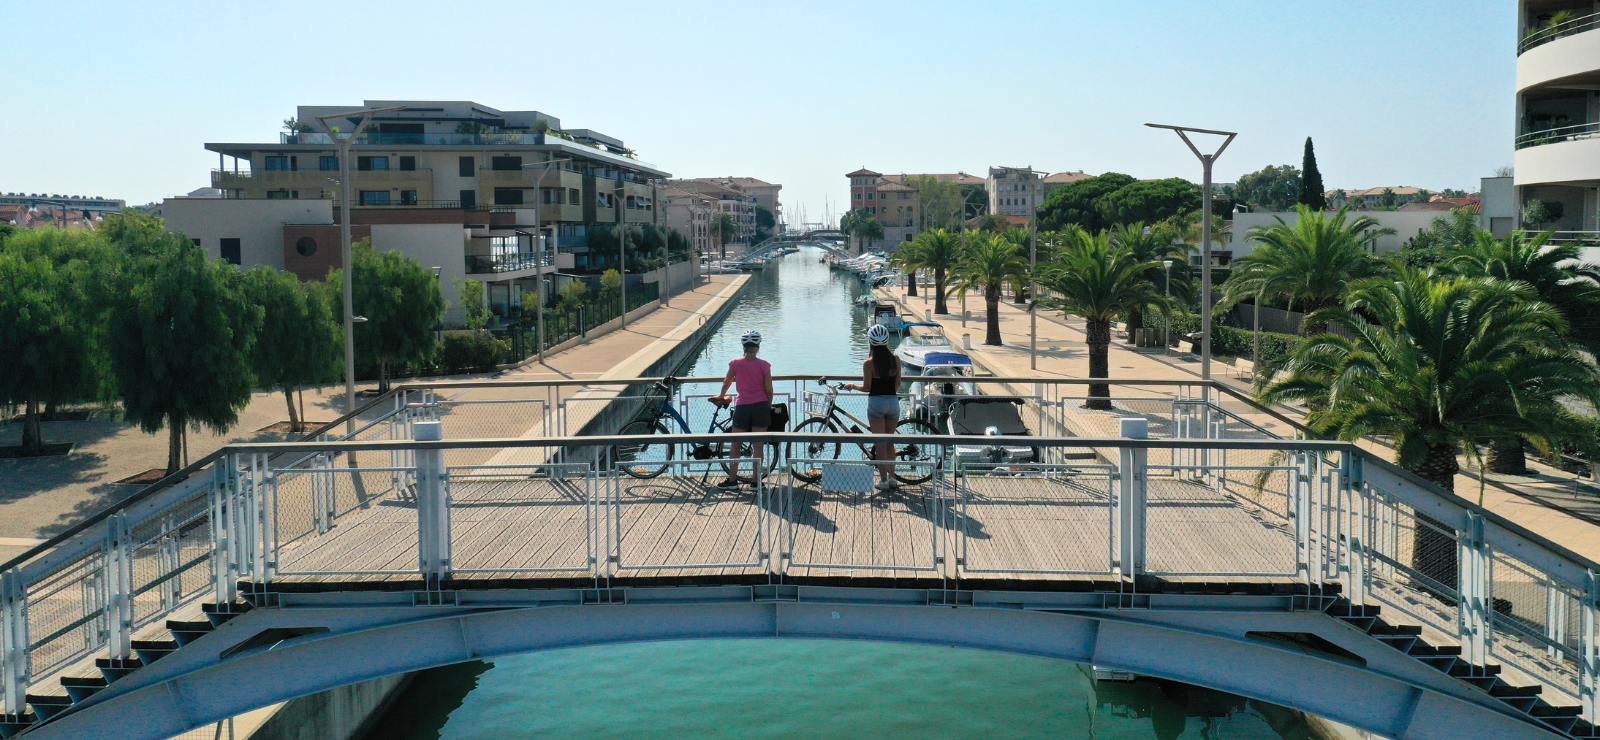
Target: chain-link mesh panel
[[1414, 562], [522, 519], [67, 613], [1194, 529], [828, 531], [684, 523], [1041, 519], [171, 559], [1538, 622], [344, 521]]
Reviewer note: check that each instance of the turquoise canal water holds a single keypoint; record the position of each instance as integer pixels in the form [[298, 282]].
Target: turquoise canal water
[[759, 689]]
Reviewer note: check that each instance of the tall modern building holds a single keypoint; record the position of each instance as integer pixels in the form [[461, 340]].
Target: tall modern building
[[1558, 111], [475, 192]]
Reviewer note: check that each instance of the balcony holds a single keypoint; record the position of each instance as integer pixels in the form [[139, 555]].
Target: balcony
[[500, 263], [503, 138], [1570, 50], [1541, 36], [229, 180], [1566, 155]]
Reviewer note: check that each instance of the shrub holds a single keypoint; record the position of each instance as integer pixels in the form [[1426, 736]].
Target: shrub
[[471, 352], [1226, 340]]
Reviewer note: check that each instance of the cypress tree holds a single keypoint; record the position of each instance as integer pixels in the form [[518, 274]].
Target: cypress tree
[[1311, 181]]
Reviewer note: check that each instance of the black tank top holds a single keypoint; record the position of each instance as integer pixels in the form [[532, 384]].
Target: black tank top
[[884, 386]]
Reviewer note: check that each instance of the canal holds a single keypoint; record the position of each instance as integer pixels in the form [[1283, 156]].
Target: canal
[[713, 689]]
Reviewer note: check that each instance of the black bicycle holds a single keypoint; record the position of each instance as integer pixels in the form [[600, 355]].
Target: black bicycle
[[802, 455], [650, 459]]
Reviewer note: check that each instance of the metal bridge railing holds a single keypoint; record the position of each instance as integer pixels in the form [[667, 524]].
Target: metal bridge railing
[[1212, 495]]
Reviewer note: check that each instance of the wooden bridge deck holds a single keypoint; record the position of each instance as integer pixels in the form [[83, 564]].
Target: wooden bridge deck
[[682, 526]]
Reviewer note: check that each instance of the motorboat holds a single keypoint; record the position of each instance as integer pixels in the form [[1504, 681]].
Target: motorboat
[[946, 378], [914, 349], [994, 417]]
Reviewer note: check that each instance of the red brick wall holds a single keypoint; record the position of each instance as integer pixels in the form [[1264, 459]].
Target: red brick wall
[[327, 257]]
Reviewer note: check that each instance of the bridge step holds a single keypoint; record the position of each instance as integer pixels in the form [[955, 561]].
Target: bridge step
[[1380, 627], [219, 613], [80, 688], [185, 632], [151, 651], [115, 668], [1463, 669], [49, 705], [1542, 708], [1504, 690], [13, 723]]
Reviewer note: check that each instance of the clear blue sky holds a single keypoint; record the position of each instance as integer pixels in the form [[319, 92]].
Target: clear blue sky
[[117, 99]]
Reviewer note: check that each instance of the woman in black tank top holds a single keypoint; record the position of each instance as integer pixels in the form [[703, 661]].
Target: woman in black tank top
[[880, 378]]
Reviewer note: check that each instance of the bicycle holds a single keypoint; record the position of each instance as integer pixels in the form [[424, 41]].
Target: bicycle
[[640, 460], [929, 457]]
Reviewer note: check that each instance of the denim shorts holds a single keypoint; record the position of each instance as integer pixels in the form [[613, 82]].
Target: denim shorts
[[883, 407], [751, 415]]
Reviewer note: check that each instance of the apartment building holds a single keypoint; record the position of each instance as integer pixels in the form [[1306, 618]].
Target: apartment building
[[52, 201], [475, 192], [1558, 114], [895, 200], [689, 214], [730, 198], [1015, 191], [765, 193]]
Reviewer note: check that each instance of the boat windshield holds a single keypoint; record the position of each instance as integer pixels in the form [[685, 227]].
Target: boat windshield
[[927, 340]]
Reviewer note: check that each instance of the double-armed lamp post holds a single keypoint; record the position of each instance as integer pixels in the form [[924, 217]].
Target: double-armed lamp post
[[1206, 160], [343, 144], [538, 233]]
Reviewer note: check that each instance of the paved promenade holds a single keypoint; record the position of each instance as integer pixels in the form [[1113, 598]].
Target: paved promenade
[[39, 498], [1555, 504]]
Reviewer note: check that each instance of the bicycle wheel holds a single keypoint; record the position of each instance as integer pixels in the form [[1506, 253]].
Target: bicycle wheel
[[769, 455], [927, 458], [809, 471], [646, 460]]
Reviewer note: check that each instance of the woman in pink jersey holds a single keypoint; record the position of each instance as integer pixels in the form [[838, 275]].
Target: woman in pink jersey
[[753, 413]]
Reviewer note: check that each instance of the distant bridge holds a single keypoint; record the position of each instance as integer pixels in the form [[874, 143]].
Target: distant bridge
[[1305, 573]]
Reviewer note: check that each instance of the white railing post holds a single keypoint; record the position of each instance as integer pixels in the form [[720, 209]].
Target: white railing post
[[119, 587], [1474, 592], [1589, 666], [225, 480], [1351, 508], [1300, 511], [15, 663], [433, 506], [1132, 499]]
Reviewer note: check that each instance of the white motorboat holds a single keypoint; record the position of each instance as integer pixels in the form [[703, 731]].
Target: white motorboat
[[944, 380], [915, 348]]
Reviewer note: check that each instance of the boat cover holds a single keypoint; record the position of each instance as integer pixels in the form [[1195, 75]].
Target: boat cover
[[944, 358], [974, 414]]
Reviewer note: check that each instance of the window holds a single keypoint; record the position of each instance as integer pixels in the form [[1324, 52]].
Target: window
[[277, 195], [602, 200], [468, 167], [858, 196], [551, 196], [869, 196], [408, 197], [294, 194], [369, 164], [196, 242], [508, 196], [505, 163], [374, 197], [306, 246], [328, 164], [408, 164], [277, 164], [905, 196], [574, 197], [469, 198], [631, 203], [230, 251]]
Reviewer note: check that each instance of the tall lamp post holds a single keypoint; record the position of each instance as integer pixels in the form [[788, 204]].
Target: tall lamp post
[[343, 145], [1206, 160], [1166, 336], [538, 232]]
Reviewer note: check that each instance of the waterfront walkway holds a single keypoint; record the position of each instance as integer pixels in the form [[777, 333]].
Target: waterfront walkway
[[1555, 504]]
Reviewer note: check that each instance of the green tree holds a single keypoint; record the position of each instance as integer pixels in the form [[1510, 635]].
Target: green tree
[[905, 259], [181, 330], [1146, 246], [765, 222], [51, 322], [298, 342], [988, 262], [1148, 202], [470, 293], [1541, 212], [868, 230], [1450, 360], [940, 203], [1274, 188], [724, 228], [1311, 193], [940, 251], [1099, 280], [1309, 264], [993, 223], [1074, 203], [1388, 199], [402, 303], [1441, 241], [574, 295], [1421, 196]]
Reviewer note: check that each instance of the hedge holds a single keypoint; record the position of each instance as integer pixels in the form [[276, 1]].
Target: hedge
[[1226, 340]]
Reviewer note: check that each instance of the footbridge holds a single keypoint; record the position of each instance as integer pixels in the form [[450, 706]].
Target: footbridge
[[834, 244], [458, 524]]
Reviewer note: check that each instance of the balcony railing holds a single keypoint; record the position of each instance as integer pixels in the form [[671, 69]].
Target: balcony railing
[[1546, 34], [504, 138], [328, 177], [486, 265], [1558, 135], [1578, 238]]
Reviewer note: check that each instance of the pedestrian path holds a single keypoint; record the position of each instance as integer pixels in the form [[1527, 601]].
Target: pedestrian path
[[1555, 504]]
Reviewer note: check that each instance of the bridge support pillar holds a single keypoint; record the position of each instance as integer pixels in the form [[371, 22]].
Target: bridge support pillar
[[14, 659], [433, 506], [1131, 509], [119, 586]]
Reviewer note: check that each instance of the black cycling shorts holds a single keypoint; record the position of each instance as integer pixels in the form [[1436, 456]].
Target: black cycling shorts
[[751, 415]]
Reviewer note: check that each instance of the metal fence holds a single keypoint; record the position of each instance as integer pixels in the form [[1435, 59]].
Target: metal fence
[[1211, 495]]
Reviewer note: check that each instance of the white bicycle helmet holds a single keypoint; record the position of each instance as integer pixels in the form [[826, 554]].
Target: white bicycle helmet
[[751, 337], [878, 334]]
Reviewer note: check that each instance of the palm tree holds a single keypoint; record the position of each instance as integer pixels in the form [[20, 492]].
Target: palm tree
[[1557, 277], [906, 259], [1449, 361], [869, 230], [940, 251], [1309, 264], [725, 228], [1146, 244], [986, 264], [1022, 239], [1098, 280]]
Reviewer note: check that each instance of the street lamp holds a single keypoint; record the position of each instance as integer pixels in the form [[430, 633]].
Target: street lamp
[[343, 146], [1166, 336], [538, 233], [1206, 160]]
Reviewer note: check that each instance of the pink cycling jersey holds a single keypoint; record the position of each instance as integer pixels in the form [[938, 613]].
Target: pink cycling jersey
[[750, 378]]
